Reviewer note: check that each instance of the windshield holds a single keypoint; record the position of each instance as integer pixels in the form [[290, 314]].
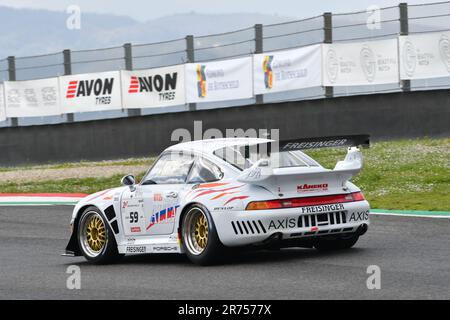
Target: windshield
[[243, 157]]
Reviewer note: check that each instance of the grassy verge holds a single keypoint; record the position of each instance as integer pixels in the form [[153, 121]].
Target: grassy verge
[[402, 175]]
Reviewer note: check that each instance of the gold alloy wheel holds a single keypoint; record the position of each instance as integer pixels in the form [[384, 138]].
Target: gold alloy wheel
[[195, 231], [96, 233], [201, 231], [93, 234]]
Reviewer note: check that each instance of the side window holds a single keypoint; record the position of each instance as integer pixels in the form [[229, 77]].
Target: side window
[[204, 171], [170, 169]]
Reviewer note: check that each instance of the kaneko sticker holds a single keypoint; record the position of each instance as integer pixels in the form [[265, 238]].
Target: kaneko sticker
[[312, 187]]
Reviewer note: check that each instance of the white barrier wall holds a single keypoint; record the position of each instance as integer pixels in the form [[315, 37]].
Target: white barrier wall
[[419, 56], [219, 80], [287, 70], [2, 104], [158, 87], [425, 56], [362, 63], [33, 98], [90, 92]]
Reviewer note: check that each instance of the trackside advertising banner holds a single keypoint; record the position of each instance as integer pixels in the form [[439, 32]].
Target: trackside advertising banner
[[287, 70], [219, 80], [2, 104], [90, 92], [33, 98], [153, 87], [425, 56], [361, 63]]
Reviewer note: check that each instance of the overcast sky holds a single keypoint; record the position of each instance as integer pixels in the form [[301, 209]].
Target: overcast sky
[[150, 9]]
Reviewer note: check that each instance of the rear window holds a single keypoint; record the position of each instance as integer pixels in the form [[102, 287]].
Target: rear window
[[243, 157]]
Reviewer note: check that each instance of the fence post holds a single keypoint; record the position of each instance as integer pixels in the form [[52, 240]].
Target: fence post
[[68, 71], [128, 55], [190, 55], [12, 77], [404, 31], [328, 38], [259, 98]]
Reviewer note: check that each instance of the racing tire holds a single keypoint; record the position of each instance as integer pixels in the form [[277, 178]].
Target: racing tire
[[199, 236], [336, 244], [95, 238]]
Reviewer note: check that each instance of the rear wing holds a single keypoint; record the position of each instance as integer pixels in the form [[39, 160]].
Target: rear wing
[[325, 142], [263, 174]]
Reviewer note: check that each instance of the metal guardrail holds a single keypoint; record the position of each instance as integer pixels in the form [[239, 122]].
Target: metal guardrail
[[327, 28]]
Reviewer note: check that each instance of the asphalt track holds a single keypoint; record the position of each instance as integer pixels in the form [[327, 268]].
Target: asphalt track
[[413, 254]]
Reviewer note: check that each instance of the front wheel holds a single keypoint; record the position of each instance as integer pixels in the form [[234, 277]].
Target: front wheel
[[336, 244], [199, 236], [95, 238]]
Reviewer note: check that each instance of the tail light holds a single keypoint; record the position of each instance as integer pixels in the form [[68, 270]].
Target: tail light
[[306, 201]]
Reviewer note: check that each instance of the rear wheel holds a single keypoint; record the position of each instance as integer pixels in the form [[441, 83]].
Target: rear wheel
[[95, 238], [336, 244], [199, 236]]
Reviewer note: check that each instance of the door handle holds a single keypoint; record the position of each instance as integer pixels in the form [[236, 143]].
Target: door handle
[[171, 194]]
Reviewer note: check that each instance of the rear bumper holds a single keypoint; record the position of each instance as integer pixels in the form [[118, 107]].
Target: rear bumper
[[237, 228]]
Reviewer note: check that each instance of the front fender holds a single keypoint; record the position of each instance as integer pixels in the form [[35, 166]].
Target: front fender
[[107, 201]]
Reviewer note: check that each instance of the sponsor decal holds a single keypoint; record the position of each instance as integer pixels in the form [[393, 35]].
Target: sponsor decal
[[101, 88], [332, 65], [222, 208], [285, 223], [136, 249], [165, 85], [409, 58], [165, 248], [314, 144], [157, 197], [201, 80], [268, 72], [368, 63], [135, 229], [323, 208], [124, 204], [444, 50], [312, 187], [359, 216], [166, 215]]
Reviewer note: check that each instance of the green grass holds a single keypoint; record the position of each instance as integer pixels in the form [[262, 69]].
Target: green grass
[[124, 162], [402, 175]]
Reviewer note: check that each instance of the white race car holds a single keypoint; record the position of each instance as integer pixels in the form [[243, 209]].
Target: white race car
[[203, 196]]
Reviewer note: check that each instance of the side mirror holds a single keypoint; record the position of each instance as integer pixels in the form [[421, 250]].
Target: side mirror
[[128, 181]]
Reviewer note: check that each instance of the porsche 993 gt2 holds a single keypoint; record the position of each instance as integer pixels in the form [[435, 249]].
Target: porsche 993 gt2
[[202, 197]]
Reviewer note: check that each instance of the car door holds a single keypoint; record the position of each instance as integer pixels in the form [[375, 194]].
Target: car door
[[161, 189]]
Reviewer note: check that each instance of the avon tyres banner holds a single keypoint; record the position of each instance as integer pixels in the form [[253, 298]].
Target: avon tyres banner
[[287, 70], [2, 105], [90, 92], [32, 98], [425, 56], [219, 80], [153, 87], [361, 63]]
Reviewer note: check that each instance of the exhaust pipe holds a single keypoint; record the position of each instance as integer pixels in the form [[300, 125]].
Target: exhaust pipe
[[362, 229]]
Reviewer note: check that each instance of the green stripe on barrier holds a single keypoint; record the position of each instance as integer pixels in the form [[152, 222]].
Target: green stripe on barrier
[[413, 212]]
